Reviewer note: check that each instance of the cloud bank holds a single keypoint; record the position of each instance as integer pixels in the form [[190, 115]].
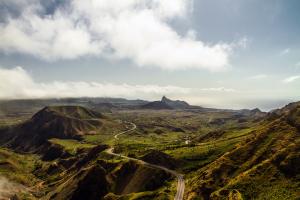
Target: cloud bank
[[17, 83], [137, 30]]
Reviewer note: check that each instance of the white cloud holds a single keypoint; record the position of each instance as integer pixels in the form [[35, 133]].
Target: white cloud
[[285, 51], [17, 83], [291, 79], [258, 76], [50, 37], [138, 30]]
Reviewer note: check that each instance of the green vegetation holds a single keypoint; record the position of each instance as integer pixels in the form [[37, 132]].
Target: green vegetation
[[20, 165], [222, 154], [8, 121], [71, 146], [255, 168]]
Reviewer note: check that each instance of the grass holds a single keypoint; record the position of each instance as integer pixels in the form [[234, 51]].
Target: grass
[[18, 167], [166, 192], [250, 168], [137, 143], [70, 145], [198, 155], [7, 121], [167, 131]]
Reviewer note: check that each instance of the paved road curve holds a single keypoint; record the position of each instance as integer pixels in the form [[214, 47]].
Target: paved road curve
[[180, 182], [133, 127]]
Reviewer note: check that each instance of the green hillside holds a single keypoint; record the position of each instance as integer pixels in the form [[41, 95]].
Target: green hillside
[[265, 166], [223, 154]]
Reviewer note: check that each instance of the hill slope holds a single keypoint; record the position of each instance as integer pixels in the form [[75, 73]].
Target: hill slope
[[65, 122], [263, 167], [157, 105]]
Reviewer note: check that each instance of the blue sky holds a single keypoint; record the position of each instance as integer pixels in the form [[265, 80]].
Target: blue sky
[[216, 53]]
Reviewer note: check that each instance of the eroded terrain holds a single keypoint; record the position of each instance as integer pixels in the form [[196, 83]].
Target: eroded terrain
[[60, 152]]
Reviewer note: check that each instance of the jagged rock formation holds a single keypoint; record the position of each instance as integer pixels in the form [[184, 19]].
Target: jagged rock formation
[[176, 104], [166, 103]]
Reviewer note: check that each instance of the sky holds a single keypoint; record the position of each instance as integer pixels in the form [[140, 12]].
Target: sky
[[214, 53]]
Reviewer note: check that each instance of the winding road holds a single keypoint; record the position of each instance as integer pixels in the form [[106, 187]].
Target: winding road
[[180, 179], [133, 128]]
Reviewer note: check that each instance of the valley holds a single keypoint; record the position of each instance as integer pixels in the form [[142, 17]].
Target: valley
[[75, 149], [149, 100]]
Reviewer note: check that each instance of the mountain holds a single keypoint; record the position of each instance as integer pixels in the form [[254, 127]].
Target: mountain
[[166, 103], [254, 112], [104, 107], [29, 106], [64, 122], [176, 104], [157, 105], [264, 166], [223, 154]]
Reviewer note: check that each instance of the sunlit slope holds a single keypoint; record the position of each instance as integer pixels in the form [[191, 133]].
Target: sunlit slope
[[265, 166]]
